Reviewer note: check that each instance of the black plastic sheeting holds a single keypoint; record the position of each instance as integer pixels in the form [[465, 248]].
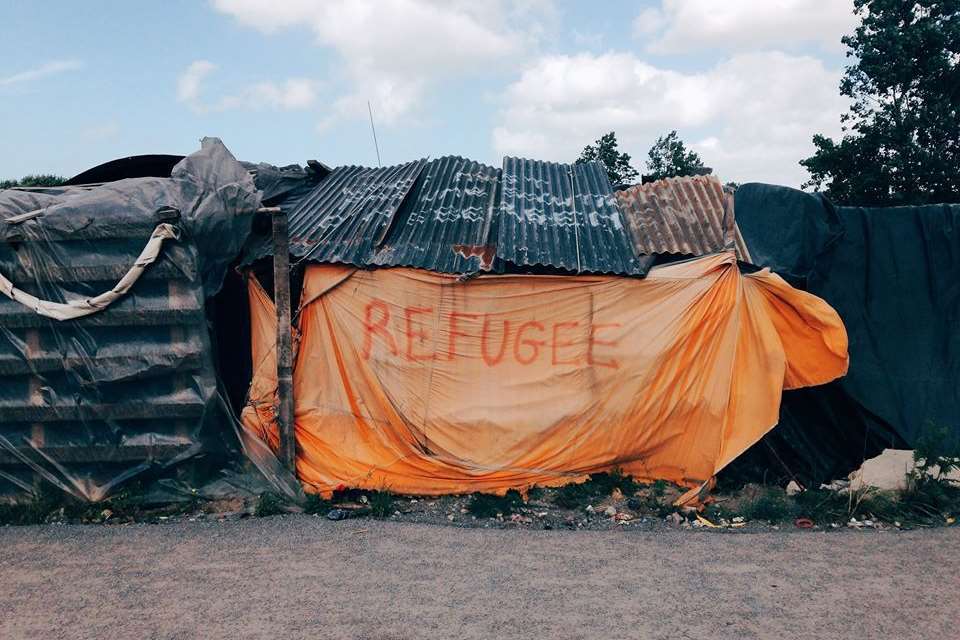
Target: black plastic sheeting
[[145, 166], [88, 403], [893, 275]]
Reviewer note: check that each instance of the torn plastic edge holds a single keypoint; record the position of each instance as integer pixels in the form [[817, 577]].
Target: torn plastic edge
[[261, 455]]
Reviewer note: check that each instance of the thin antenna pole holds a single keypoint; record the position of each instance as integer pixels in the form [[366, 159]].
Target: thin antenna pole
[[374, 131]]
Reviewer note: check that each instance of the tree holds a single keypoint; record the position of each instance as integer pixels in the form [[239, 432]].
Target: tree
[[39, 180], [901, 136], [617, 164], [669, 157]]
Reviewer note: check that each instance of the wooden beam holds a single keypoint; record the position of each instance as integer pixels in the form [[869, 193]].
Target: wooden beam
[[281, 298]]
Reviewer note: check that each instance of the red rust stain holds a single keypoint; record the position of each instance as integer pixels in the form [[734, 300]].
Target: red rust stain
[[486, 253]]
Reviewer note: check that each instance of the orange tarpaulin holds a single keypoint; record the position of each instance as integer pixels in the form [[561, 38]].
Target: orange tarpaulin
[[421, 383]]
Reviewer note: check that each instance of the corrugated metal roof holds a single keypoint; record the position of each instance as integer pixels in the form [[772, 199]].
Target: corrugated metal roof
[[350, 212], [447, 222], [679, 216], [565, 216]]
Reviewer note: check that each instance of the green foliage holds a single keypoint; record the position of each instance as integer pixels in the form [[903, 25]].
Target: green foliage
[[269, 504], [937, 451], [669, 157], [659, 488], [901, 137], [617, 164], [486, 505], [51, 504], [315, 505], [599, 485], [381, 504], [45, 505], [822, 506], [39, 180], [772, 505], [930, 498]]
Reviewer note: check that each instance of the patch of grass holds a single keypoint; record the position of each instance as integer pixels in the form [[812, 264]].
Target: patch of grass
[[316, 505], [772, 505], [599, 485], [926, 502], [269, 504], [652, 502], [381, 503], [51, 504], [927, 498], [659, 488], [535, 492], [486, 505], [715, 513], [822, 506]]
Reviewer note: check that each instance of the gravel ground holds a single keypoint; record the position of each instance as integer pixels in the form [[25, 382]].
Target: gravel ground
[[306, 577]]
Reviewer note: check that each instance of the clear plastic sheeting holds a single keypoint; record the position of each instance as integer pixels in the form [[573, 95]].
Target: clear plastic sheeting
[[90, 402]]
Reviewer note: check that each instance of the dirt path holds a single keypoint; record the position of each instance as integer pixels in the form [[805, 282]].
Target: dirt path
[[304, 577]]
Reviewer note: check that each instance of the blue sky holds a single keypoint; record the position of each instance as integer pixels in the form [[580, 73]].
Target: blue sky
[[745, 82]]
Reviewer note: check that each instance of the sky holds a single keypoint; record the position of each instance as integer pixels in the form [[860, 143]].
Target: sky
[[745, 83]]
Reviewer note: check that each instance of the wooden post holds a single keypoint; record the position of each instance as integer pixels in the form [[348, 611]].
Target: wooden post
[[281, 298]]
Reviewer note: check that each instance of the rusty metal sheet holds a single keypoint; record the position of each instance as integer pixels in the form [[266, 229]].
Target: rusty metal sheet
[[685, 216]]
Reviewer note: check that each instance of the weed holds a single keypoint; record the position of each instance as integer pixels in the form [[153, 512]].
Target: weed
[[269, 504], [485, 505], [659, 488], [535, 492], [771, 505], [926, 497], [575, 496], [49, 504], [316, 505], [936, 450], [651, 501], [713, 512], [381, 503], [822, 505]]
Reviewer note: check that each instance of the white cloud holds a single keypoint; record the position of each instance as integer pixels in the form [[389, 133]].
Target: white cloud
[[188, 85], [751, 117], [293, 93], [46, 69], [680, 26], [393, 51]]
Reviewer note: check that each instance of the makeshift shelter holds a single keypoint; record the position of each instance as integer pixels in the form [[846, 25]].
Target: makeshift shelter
[[514, 340], [891, 274], [106, 366], [459, 327]]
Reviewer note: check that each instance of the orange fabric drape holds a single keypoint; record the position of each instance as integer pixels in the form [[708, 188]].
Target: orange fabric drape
[[419, 383]]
